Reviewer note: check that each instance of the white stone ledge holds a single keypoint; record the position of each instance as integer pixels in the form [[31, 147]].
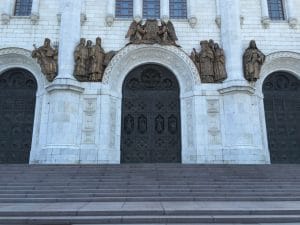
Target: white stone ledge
[[237, 89], [60, 84]]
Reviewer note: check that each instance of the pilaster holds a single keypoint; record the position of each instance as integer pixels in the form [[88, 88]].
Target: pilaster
[[292, 14], [6, 11], [137, 10], [164, 10], [35, 11], [265, 18]]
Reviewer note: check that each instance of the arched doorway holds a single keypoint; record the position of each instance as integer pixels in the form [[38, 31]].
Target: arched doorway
[[17, 104], [150, 116], [282, 110]]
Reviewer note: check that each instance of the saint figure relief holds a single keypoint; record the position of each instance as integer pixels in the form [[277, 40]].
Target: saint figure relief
[[253, 60], [206, 60], [91, 60], [210, 62], [47, 58], [96, 60], [81, 57], [219, 64]]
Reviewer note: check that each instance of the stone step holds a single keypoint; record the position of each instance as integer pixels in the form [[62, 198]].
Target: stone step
[[67, 220]]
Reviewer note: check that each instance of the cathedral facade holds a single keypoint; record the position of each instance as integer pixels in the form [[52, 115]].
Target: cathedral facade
[[150, 81]]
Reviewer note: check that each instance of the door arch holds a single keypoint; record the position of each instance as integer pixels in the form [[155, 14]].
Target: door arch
[[17, 105], [151, 130], [282, 111]]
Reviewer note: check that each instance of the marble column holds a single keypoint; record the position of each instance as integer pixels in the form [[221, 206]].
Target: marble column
[[292, 14], [265, 18], [110, 12], [137, 10], [218, 14], [164, 10], [64, 93], [69, 37], [35, 11], [232, 39]]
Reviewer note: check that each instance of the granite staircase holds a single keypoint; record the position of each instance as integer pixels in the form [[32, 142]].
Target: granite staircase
[[149, 194]]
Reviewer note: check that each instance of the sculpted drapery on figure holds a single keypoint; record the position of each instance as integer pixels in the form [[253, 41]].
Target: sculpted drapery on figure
[[91, 60], [47, 58], [253, 60], [152, 33], [81, 55], [210, 62], [96, 59]]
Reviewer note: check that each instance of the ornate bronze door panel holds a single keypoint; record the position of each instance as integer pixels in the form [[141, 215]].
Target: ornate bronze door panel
[[282, 109], [17, 103], [150, 116]]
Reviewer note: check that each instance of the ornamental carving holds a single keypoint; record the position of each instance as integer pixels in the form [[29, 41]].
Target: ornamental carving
[[152, 32], [91, 60], [210, 62], [47, 57], [253, 60]]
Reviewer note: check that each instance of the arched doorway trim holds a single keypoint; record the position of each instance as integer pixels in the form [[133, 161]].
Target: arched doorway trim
[[11, 58], [279, 61], [170, 57], [21, 58], [130, 57]]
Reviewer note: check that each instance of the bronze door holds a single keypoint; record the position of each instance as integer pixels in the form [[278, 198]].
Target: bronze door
[[282, 109], [150, 116], [17, 103]]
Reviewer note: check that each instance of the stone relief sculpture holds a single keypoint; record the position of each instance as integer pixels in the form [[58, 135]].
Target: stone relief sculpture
[[47, 57], [96, 60], [152, 33], [210, 62], [253, 60], [219, 64], [81, 57], [91, 60]]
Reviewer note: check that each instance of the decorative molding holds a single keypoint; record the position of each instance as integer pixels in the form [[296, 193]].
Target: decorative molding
[[237, 89], [5, 18], [265, 21], [213, 121], [133, 55], [83, 18], [109, 20], [293, 22], [218, 21], [193, 21], [34, 17], [18, 51], [89, 118], [64, 85]]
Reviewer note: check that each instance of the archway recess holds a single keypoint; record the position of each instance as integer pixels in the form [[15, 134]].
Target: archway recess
[[18, 89], [150, 116], [281, 101]]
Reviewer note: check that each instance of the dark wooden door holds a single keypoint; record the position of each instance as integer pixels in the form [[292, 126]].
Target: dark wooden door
[[17, 103], [150, 116], [282, 109]]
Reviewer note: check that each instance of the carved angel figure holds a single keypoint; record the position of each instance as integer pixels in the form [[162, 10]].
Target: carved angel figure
[[253, 60], [167, 33], [47, 58], [136, 32]]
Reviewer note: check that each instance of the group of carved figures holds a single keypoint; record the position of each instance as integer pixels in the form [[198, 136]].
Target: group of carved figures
[[47, 58], [91, 60], [152, 33], [210, 62]]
